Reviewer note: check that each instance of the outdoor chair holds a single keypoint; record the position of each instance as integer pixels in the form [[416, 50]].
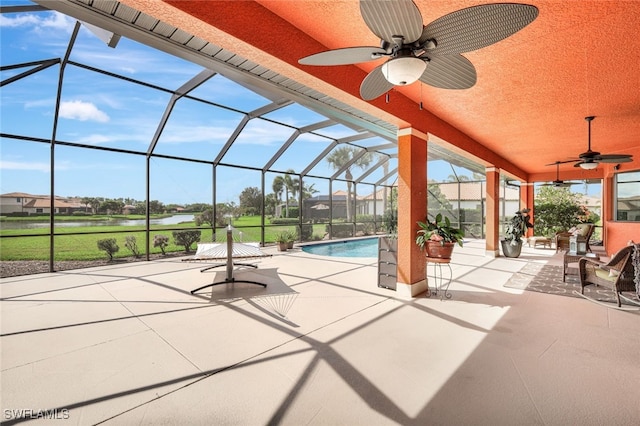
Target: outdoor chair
[[583, 232], [616, 275], [229, 252]]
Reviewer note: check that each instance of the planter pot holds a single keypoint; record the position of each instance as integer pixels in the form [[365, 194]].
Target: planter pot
[[282, 246], [511, 250], [435, 249], [290, 244]]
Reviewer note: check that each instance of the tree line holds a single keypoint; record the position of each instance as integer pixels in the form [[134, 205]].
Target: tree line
[[287, 189]]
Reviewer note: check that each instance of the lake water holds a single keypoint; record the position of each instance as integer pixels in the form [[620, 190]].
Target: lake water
[[172, 220]]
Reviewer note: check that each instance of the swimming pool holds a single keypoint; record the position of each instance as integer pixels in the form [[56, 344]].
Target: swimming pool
[[365, 247]]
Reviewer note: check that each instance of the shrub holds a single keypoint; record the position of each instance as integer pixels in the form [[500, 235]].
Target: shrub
[[108, 245], [305, 231], [346, 230], [341, 230], [369, 228], [130, 243], [205, 217], [161, 241], [284, 221], [186, 238]]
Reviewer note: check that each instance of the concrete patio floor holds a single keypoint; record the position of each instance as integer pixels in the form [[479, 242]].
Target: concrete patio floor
[[128, 344]]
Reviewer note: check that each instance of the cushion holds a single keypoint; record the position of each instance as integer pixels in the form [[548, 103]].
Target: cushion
[[604, 274], [583, 229]]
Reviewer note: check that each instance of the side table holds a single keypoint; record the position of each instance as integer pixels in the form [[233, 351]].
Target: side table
[[573, 258], [441, 284]]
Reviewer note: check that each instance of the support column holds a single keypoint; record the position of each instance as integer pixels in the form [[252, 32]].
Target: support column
[[527, 196], [606, 212], [412, 207], [493, 212]]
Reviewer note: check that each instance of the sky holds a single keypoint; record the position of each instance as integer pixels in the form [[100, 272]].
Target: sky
[[103, 111]]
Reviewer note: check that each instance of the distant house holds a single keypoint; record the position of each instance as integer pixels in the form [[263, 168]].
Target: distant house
[[373, 203], [128, 209], [594, 204], [14, 203], [318, 207], [463, 196], [629, 208]]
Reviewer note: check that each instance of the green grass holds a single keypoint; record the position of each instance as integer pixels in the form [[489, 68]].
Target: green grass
[[92, 218], [80, 243]]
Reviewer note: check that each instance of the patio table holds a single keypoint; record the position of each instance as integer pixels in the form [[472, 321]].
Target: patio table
[[573, 258]]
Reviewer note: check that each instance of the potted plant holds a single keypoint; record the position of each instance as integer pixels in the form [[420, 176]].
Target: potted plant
[[283, 240], [517, 227], [438, 238], [291, 238]]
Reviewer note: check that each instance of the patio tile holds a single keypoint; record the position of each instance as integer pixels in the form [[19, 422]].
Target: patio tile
[[132, 345]]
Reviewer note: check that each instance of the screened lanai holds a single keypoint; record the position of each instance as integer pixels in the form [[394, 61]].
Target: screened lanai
[[144, 127], [138, 130]]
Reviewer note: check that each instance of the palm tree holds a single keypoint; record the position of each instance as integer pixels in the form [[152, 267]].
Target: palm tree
[[308, 191], [291, 185], [278, 187], [341, 157]]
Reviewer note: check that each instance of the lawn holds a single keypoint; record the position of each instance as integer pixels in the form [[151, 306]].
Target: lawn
[[80, 243]]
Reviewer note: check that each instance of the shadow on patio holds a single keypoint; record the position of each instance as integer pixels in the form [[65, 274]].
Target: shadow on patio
[[130, 344]]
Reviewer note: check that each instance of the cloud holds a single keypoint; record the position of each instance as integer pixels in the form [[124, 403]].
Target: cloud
[[95, 139], [19, 21], [83, 111], [187, 134], [32, 166], [38, 22], [19, 165]]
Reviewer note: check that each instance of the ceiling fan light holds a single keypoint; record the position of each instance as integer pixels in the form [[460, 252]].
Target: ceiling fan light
[[589, 166], [404, 70]]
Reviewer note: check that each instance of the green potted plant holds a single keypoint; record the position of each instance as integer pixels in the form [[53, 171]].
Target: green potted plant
[[517, 227], [283, 240], [291, 238], [438, 238]]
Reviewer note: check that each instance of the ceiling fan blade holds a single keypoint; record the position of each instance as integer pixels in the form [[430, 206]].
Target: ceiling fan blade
[[392, 18], [557, 184], [450, 72], [346, 56], [555, 163], [374, 85], [477, 27], [614, 158], [565, 162]]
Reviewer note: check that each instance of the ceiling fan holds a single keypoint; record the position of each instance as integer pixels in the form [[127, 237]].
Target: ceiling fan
[[590, 159], [429, 53], [559, 183]]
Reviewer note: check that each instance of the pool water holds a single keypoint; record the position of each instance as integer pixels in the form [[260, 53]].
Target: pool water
[[366, 247]]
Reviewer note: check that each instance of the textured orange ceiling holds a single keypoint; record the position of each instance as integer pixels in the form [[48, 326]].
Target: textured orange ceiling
[[578, 58]]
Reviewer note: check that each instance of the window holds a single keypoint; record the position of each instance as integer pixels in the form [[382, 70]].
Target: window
[[628, 196]]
